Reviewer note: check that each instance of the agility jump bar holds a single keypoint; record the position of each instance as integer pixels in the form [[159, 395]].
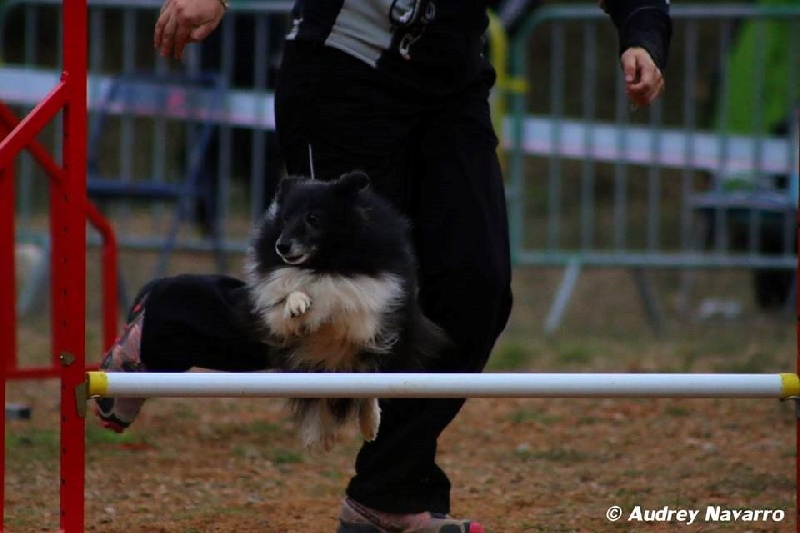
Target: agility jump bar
[[419, 385]]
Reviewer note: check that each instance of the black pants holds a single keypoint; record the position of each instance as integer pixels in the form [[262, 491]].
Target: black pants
[[434, 156]]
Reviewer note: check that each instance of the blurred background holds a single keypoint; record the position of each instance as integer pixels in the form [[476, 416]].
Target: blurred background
[[648, 240], [671, 227]]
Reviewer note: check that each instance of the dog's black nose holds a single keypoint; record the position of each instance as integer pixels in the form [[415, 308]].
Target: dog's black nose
[[283, 248]]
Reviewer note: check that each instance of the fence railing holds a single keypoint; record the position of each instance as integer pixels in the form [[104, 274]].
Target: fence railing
[[705, 178], [243, 165]]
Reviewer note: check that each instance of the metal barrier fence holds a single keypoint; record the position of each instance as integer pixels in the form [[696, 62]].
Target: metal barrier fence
[[688, 183], [705, 178], [240, 165], [241, 172]]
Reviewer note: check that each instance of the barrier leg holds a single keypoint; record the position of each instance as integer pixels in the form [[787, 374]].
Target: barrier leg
[[68, 231], [98, 221], [8, 318], [68, 297], [797, 402], [109, 273], [8, 325], [563, 296], [68, 334], [652, 307]]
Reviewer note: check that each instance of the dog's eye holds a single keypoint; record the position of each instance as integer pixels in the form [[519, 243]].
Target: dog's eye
[[312, 219]]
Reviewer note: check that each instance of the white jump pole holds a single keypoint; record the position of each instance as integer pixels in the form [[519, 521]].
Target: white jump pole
[[418, 385]]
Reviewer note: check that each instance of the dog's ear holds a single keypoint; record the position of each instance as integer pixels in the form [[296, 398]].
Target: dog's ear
[[353, 182], [287, 184]]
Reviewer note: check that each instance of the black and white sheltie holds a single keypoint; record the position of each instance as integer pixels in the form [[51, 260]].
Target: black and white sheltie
[[332, 278]]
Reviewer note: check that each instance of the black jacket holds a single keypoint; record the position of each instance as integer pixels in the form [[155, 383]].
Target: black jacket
[[437, 45]]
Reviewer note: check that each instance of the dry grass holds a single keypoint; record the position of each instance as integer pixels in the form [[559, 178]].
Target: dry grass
[[518, 464]]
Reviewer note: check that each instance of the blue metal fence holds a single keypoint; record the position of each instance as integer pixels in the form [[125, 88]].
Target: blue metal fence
[[590, 181], [593, 182]]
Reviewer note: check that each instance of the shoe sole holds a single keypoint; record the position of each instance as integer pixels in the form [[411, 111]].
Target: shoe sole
[[116, 427], [345, 527]]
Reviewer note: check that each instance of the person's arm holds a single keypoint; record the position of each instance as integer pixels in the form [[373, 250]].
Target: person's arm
[[645, 31], [185, 21]]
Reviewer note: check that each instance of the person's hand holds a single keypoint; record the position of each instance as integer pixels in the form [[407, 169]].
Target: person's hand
[[643, 79], [185, 21]]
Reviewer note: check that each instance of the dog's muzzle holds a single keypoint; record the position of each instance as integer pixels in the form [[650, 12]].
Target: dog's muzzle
[[291, 253]]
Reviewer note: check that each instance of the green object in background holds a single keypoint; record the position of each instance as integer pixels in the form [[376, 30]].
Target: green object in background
[[776, 98]]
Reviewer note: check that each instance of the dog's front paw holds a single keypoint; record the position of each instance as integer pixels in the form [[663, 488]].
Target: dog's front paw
[[297, 304]]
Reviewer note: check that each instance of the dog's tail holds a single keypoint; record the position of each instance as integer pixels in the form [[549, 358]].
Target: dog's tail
[[427, 341]]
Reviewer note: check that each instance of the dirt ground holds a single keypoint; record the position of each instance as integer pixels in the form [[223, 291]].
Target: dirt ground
[[517, 465]]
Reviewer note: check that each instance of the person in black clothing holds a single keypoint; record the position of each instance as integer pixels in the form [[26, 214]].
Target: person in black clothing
[[399, 89]]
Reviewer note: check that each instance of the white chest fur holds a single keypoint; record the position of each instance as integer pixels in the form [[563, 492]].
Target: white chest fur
[[347, 313]]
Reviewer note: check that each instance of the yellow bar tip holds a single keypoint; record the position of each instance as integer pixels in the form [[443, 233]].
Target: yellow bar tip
[[97, 383], [790, 385]]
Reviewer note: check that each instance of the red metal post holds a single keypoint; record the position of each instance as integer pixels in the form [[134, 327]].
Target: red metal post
[[68, 212], [33, 123], [8, 319], [109, 273], [8, 315], [68, 233], [68, 287]]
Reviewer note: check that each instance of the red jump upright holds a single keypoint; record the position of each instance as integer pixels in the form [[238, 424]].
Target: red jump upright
[[8, 319], [68, 255]]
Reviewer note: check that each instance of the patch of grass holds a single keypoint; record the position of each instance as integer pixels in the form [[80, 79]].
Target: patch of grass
[[33, 444], [25, 517], [744, 478], [789, 452], [686, 357], [183, 411], [265, 429], [523, 416], [98, 435], [229, 511], [626, 492], [32, 438], [570, 354], [528, 527], [677, 411], [632, 473], [555, 455], [210, 512], [332, 474], [755, 363], [247, 452], [282, 456], [508, 356], [677, 499]]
